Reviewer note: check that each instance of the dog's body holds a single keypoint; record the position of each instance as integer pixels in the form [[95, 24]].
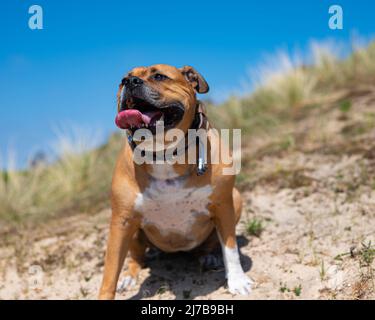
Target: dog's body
[[168, 205]]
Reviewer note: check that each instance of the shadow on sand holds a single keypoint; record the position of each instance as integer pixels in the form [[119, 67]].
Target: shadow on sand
[[182, 274]]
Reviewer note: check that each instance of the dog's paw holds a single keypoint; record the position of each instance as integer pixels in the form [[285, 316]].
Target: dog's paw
[[126, 283], [239, 283], [211, 262]]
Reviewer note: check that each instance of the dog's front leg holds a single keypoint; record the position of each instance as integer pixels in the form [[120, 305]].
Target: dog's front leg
[[225, 221], [121, 232]]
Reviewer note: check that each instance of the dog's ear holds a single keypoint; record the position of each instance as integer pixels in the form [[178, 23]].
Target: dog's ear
[[196, 80]]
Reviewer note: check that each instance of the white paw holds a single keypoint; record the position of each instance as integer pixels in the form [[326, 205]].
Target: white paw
[[126, 283], [239, 283]]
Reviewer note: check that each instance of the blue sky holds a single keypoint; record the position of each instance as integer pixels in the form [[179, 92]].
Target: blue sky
[[68, 72]]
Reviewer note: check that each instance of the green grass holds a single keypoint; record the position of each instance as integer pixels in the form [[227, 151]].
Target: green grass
[[163, 289], [284, 288], [254, 227], [345, 106], [297, 290], [367, 254]]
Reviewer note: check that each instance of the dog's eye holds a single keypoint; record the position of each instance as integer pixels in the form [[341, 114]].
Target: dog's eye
[[160, 77]]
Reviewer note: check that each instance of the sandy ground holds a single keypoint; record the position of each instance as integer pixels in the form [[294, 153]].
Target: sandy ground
[[293, 258], [317, 205]]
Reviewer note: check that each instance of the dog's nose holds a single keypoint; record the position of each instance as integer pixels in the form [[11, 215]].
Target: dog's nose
[[132, 82]]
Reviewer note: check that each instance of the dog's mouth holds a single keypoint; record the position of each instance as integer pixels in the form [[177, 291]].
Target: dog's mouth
[[143, 114]]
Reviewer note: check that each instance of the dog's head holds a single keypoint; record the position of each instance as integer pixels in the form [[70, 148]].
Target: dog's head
[[159, 93]]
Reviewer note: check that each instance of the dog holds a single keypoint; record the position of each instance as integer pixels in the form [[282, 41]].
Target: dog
[[173, 207]]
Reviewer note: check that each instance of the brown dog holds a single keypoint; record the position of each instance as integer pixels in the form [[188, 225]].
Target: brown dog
[[169, 206]]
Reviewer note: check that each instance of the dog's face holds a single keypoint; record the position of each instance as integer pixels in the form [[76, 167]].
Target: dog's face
[[159, 93]]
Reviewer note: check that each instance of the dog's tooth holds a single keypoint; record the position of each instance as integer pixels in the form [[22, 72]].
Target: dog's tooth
[[162, 117]]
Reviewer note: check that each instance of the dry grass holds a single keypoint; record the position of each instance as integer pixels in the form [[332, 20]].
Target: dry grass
[[289, 92], [77, 181]]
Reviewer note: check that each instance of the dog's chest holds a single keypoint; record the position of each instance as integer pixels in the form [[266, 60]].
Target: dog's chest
[[173, 208]]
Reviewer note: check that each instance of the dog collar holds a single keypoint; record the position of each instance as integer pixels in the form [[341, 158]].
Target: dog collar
[[200, 122]]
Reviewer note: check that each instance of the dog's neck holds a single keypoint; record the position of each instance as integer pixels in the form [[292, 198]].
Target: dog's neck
[[199, 122]]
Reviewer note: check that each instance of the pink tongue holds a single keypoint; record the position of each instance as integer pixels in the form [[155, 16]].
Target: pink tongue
[[134, 118]]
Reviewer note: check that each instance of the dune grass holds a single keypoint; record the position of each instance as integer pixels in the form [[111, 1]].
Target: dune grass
[[79, 180], [287, 93]]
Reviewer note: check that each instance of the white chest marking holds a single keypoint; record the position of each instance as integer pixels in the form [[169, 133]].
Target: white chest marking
[[163, 171], [171, 207]]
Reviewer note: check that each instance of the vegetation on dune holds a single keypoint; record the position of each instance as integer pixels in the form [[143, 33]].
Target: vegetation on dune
[[79, 181], [299, 109], [283, 96]]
